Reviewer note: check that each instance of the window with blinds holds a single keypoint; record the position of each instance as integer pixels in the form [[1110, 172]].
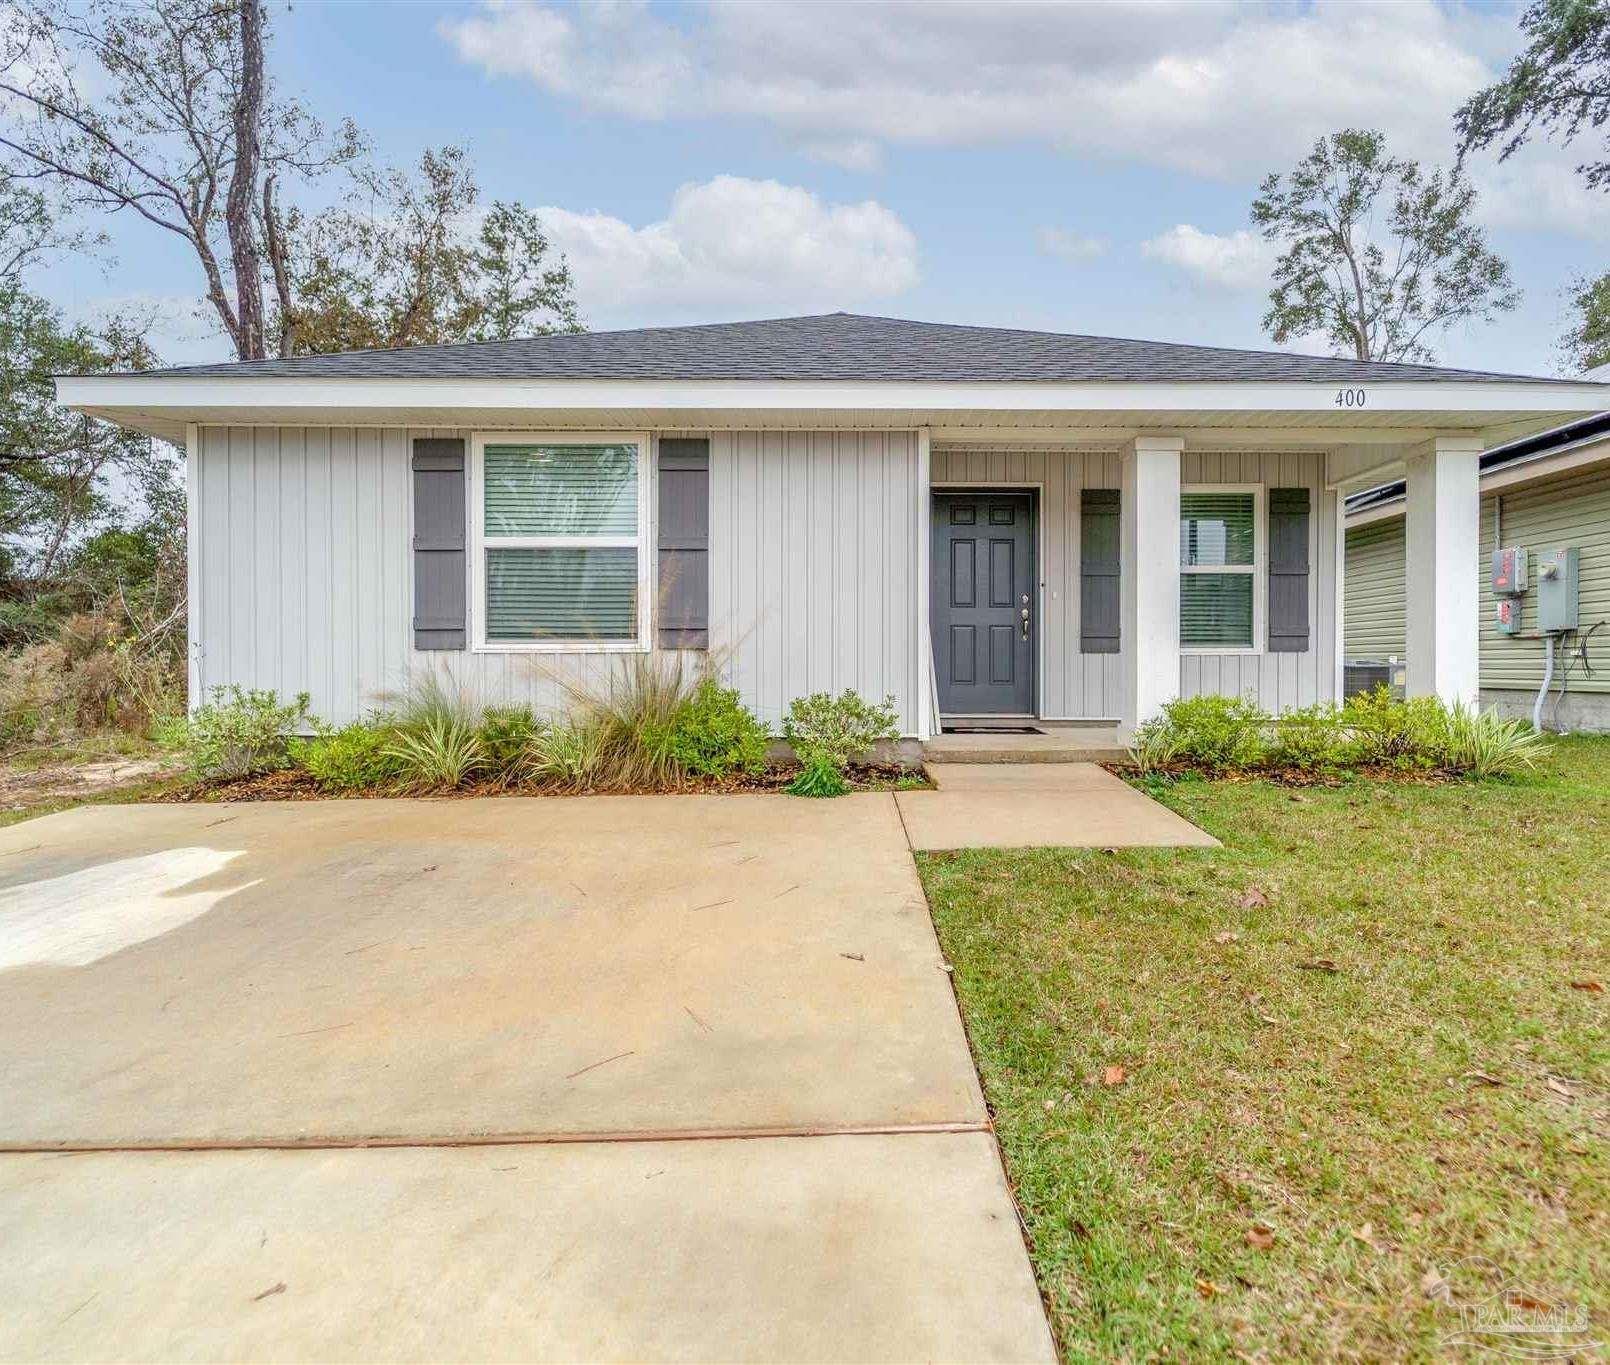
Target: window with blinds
[[561, 543], [1218, 569]]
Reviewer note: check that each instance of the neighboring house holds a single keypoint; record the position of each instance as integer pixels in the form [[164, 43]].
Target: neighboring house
[[977, 521], [1544, 492]]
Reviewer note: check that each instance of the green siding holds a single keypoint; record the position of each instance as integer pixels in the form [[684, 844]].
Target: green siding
[[1373, 599], [1572, 509]]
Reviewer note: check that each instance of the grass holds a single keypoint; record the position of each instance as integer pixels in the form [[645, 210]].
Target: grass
[[1351, 1057]]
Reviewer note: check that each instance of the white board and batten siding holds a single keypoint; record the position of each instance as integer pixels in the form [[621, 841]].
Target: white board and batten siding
[[1073, 685], [1079, 686], [1277, 682], [302, 544]]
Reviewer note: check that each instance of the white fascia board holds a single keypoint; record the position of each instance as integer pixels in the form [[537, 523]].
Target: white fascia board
[[149, 394]]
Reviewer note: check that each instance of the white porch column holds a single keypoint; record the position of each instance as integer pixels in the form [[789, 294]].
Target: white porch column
[[1149, 586], [1440, 533]]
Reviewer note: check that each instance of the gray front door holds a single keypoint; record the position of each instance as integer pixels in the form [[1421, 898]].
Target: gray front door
[[983, 603]]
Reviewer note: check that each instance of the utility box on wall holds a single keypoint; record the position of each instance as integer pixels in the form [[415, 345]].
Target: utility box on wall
[[1557, 589], [1509, 571], [1507, 615]]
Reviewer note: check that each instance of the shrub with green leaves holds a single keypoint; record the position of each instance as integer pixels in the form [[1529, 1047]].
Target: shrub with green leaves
[[354, 758], [713, 734], [1308, 738], [569, 754], [819, 777], [241, 733], [1217, 733], [839, 730], [1381, 729], [1484, 744], [507, 733], [439, 753]]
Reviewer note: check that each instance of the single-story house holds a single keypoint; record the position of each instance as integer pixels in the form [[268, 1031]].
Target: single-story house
[[1544, 493], [976, 521]]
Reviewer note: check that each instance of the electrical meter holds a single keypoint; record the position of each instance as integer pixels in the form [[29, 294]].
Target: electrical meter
[[1509, 572], [1507, 615], [1557, 589]]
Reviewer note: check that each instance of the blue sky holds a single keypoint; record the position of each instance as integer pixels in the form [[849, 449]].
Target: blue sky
[[1075, 168]]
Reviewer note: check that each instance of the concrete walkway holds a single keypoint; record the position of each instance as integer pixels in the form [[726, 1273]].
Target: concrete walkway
[[557, 1017], [1032, 805]]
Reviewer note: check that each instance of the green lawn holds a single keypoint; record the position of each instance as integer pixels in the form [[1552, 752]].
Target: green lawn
[[1352, 1055]]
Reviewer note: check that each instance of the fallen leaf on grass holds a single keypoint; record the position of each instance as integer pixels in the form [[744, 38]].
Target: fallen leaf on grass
[[1228, 936], [1319, 964], [1481, 1078], [1366, 1234], [1516, 1299], [1260, 1237], [1593, 987], [1113, 1075], [1434, 1284], [1559, 1087], [1253, 898], [1206, 1288]]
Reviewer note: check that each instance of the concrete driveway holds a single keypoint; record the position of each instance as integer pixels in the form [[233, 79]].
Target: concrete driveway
[[615, 1078]]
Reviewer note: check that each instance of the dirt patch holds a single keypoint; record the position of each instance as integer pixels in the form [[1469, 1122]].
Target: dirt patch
[[295, 784], [20, 788]]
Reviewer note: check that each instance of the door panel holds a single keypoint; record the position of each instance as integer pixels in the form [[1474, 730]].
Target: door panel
[[983, 557]]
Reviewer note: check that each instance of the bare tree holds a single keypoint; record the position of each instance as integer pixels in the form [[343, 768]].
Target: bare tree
[[164, 109]]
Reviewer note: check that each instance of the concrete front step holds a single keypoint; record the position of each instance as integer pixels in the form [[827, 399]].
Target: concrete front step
[[1083, 744]]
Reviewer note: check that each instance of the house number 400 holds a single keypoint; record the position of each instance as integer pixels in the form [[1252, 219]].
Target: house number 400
[[1349, 398]]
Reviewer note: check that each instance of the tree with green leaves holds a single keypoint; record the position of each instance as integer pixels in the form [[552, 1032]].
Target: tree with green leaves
[[1558, 87], [1379, 256], [423, 261]]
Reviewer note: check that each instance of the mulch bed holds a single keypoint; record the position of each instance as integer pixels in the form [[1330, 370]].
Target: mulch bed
[[296, 784], [1297, 777]]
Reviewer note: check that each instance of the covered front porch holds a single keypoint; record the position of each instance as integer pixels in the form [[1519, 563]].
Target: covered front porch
[[1072, 587]]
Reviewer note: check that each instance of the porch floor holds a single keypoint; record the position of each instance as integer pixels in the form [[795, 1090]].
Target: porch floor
[[1065, 743]]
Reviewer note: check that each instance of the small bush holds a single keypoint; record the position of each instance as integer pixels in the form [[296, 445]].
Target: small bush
[[713, 734], [838, 730], [1484, 744], [439, 753], [1217, 733], [1156, 745], [354, 758], [819, 777], [568, 754], [1309, 738], [627, 718], [507, 734], [1380, 729], [241, 733]]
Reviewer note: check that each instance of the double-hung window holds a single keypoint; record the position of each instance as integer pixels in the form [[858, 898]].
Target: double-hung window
[[561, 542], [1221, 551]]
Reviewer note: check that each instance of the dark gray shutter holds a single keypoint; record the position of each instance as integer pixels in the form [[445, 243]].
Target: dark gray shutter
[[684, 588], [439, 539], [1099, 537], [1288, 570]]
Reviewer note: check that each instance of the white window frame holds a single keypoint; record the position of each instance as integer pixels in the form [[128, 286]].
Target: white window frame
[[480, 542], [1260, 550]]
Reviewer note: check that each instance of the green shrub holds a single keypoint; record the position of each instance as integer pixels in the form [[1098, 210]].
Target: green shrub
[[1382, 730], [1484, 744], [240, 733], [838, 730], [1309, 738], [568, 754], [626, 718], [355, 758], [1155, 746], [1217, 733], [439, 753], [819, 777], [713, 734], [507, 734]]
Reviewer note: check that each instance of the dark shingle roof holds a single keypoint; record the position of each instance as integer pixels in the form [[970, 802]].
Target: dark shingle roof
[[831, 346]]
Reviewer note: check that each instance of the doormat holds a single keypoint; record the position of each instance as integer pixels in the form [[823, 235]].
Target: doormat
[[992, 730]]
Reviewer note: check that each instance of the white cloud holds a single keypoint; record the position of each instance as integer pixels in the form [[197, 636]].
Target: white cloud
[[850, 154], [735, 244], [1232, 260], [1069, 245], [1209, 87]]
